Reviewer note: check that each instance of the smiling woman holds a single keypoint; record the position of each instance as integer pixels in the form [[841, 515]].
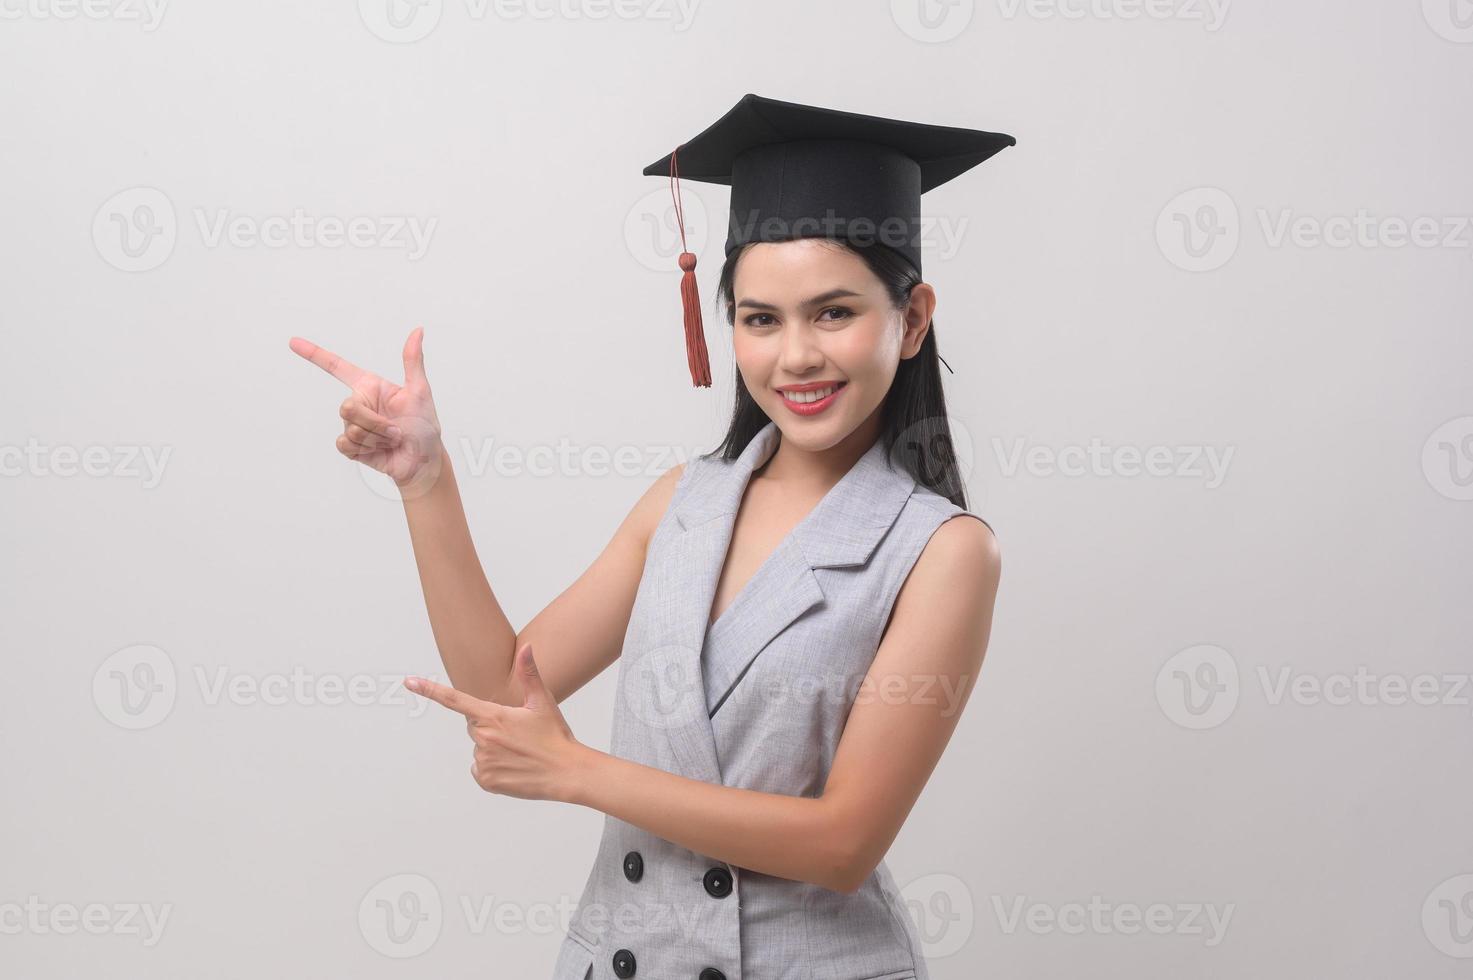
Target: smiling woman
[[749, 788], [757, 599]]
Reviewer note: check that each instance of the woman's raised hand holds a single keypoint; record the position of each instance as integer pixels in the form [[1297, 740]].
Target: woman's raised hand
[[391, 428]]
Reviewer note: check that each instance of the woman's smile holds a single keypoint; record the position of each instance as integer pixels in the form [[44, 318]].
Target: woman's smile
[[810, 399]]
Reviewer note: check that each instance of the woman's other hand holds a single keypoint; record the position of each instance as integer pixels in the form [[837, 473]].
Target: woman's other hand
[[527, 752]]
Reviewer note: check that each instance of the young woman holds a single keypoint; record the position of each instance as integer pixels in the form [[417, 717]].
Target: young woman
[[799, 620]]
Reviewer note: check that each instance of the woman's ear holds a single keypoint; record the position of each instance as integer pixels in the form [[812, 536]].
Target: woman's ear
[[918, 313]]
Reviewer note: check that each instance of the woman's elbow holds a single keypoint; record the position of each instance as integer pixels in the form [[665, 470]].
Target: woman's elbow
[[856, 871], [851, 858]]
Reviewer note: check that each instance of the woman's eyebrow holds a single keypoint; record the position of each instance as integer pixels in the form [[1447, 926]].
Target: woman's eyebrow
[[827, 297]]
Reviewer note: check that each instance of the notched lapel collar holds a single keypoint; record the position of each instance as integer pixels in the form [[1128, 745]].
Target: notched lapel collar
[[842, 530]]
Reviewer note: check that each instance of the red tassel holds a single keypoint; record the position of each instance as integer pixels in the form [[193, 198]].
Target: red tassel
[[695, 333], [696, 355]]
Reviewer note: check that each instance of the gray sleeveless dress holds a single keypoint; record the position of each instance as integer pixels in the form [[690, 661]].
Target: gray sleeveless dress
[[758, 702]]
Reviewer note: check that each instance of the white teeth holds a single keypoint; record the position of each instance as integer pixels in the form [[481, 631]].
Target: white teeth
[[817, 394]]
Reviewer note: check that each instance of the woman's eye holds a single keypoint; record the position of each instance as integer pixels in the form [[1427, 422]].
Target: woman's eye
[[843, 314]]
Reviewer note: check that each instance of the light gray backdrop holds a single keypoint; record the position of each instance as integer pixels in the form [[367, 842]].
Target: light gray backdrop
[[1209, 325]]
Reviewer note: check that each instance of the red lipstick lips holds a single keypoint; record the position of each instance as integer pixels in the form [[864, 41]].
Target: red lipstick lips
[[815, 406]]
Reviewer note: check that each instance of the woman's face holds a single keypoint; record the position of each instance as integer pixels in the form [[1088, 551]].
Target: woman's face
[[816, 339]]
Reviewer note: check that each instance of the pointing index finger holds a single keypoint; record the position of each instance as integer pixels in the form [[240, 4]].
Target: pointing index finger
[[345, 371], [455, 700]]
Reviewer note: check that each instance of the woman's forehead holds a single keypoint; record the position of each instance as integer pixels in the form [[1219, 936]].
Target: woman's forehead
[[792, 271]]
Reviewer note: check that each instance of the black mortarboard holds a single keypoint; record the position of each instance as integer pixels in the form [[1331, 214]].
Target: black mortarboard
[[800, 171]]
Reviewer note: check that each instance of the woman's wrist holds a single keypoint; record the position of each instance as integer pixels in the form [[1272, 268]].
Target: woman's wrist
[[427, 476], [583, 773]]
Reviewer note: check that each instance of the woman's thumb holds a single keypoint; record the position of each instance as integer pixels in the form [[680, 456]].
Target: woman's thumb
[[414, 357], [534, 692]]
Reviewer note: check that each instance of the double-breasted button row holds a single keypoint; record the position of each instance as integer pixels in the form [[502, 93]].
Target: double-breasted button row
[[624, 967], [717, 882]]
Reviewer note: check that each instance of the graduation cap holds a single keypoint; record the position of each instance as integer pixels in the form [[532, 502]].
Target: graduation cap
[[801, 171]]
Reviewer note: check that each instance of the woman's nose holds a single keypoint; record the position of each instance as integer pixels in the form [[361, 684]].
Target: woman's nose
[[800, 349]]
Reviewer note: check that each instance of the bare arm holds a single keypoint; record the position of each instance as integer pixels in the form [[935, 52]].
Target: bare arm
[[475, 639], [394, 429], [577, 635], [581, 632]]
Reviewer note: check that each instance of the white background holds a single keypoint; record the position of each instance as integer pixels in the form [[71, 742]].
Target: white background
[[1074, 308]]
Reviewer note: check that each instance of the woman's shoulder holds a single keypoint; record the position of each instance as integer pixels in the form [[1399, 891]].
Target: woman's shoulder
[[940, 559], [680, 479], [650, 509], [932, 507], [666, 493], [957, 557], [963, 551]]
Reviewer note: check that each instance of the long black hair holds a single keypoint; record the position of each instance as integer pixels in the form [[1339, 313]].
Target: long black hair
[[914, 428]]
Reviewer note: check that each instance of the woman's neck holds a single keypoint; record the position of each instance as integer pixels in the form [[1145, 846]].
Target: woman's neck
[[815, 472]]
